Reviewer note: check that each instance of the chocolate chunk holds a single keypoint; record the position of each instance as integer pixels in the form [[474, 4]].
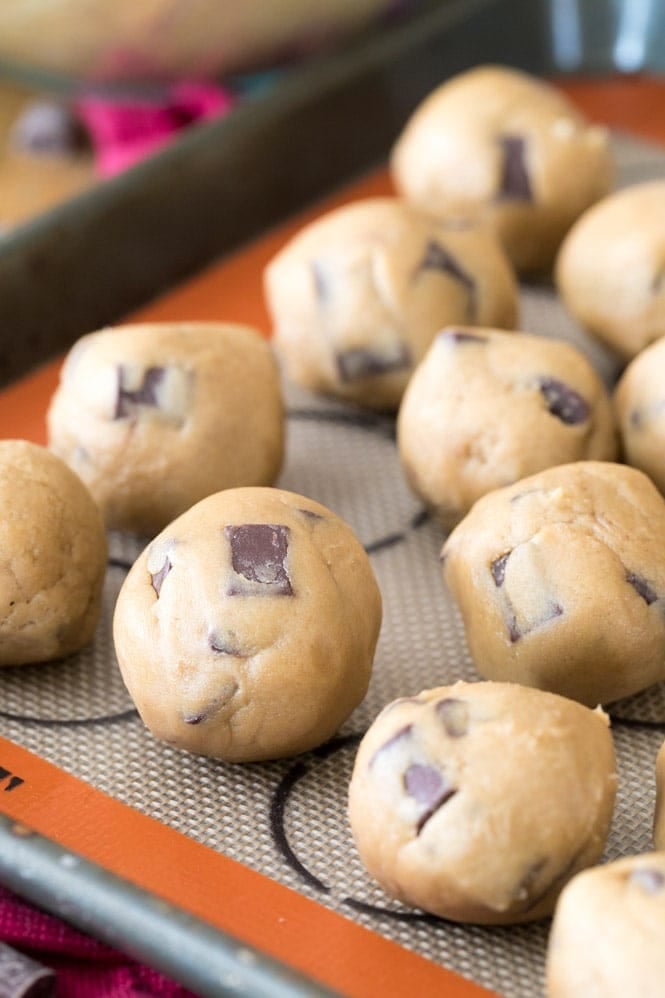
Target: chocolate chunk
[[145, 394], [636, 419], [364, 363], [564, 402], [515, 633], [658, 283], [437, 257], [454, 715], [49, 128], [514, 183], [651, 881], [258, 554], [224, 645], [157, 579], [429, 787], [310, 514], [498, 568], [194, 718], [641, 586], [461, 336]]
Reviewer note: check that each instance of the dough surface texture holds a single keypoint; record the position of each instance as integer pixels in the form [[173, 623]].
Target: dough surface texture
[[53, 563], [246, 630], [478, 801]]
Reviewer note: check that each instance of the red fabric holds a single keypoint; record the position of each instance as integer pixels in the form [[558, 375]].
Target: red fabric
[[123, 132], [84, 967]]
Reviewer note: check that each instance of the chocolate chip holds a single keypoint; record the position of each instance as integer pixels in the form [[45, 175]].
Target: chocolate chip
[[437, 257], [310, 514], [223, 645], [49, 128], [145, 394], [651, 881], [658, 283], [454, 715], [429, 787], [636, 419], [157, 579], [461, 336], [515, 633], [364, 363], [258, 554], [514, 183], [564, 402], [498, 568], [194, 718], [641, 586]]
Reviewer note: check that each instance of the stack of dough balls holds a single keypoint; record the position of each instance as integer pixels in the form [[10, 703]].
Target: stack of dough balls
[[53, 557], [154, 417], [357, 296], [610, 272], [478, 801], [246, 630], [560, 580], [497, 144], [486, 408]]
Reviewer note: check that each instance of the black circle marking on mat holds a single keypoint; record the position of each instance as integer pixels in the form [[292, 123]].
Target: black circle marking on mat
[[385, 428], [278, 808], [71, 722], [78, 722]]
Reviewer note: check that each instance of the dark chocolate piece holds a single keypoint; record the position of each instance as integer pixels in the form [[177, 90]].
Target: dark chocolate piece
[[158, 578], [462, 336], [650, 880], [310, 514], [454, 715], [514, 183], [554, 610], [429, 787], [223, 645], [145, 394], [258, 555], [636, 419], [437, 257], [365, 363], [641, 586], [658, 283], [498, 568], [49, 128], [564, 402]]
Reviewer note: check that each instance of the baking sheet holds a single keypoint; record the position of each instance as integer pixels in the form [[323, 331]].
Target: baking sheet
[[287, 819]]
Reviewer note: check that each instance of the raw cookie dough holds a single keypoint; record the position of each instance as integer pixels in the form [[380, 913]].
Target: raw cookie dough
[[246, 630], [357, 296], [607, 936], [560, 580], [478, 801], [639, 402], [486, 408], [610, 272], [659, 817], [498, 144], [154, 417], [53, 556]]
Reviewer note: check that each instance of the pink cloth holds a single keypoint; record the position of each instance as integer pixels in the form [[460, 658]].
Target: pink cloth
[[123, 132], [84, 967]]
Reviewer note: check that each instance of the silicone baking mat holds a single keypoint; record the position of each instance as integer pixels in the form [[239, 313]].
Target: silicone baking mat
[[286, 820]]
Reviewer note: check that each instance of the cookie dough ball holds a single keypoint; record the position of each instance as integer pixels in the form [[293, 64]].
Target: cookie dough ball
[[357, 296], [478, 801], [639, 401], [246, 630], [498, 144], [53, 556], [486, 408], [154, 417], [659, 818], [608, 930], [560, 580], [610, 272]]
